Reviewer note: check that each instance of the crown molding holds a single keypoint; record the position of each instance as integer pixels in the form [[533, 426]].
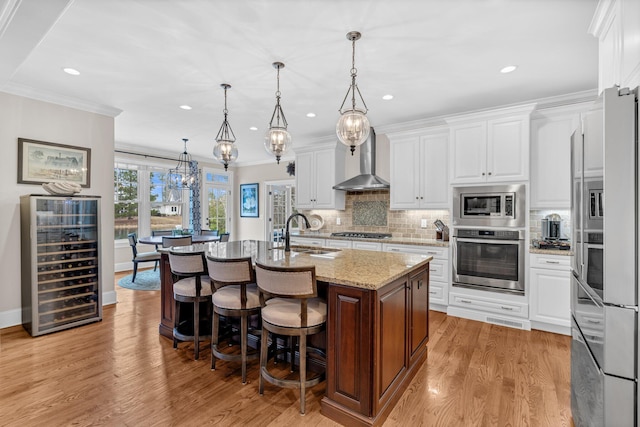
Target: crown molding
[[54, 98]]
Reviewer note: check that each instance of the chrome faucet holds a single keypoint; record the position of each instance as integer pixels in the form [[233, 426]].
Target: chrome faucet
[[287, 244]]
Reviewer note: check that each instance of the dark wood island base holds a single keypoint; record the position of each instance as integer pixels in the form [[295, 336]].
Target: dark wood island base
[[377, 341]]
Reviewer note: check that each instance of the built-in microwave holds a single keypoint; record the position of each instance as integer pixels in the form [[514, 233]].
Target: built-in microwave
[[489, 206]]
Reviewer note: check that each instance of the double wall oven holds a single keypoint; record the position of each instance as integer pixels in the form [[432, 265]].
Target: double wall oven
[[489, 238]]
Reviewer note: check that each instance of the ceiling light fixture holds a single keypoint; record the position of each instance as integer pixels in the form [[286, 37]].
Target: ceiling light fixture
[[224, 151], [508, 69], [387, 97], [185, 107], [253, 128], [277, 140], [353, 126], [311, 115], [71, 71], [184, 175]]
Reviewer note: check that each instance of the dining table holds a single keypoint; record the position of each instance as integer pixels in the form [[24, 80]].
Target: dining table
[[157, 240], [377, 325]]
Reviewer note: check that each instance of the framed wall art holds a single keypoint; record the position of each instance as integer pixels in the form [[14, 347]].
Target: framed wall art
[[40, 162], [249, 200]]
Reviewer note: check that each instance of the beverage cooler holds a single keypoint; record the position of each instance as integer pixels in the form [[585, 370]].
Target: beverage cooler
[[60, 262]]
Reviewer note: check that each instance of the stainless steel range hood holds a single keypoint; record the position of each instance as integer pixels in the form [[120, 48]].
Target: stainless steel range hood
[[367, 180]]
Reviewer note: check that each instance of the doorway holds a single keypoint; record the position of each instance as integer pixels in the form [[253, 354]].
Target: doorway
[[281, 202]]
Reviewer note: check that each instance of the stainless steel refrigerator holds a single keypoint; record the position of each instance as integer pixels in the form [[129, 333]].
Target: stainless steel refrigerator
[[604, 288]]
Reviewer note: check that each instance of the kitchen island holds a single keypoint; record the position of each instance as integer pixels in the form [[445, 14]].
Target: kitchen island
[[377, 322]]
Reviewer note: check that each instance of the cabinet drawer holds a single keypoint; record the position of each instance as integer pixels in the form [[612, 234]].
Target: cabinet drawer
[[552, 262], [438, 270], [343, 244], [367, 246], [435, 251], [436, 293], [491, 305], [304, 241]]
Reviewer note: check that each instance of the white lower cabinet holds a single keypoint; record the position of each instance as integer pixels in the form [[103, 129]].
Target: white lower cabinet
[[438, 271], [342, 244], [490, 307], [549, 293]]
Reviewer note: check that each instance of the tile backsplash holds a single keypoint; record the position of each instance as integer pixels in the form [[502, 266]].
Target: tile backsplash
[[365, 210]]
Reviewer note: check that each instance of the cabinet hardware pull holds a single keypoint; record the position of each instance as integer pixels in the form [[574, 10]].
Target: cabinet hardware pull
[[416, 197], [432, 252], [597, 322], [419, 284], [506, 308], [432, 269], [432, 292], [466, 301], [552, 262], [482, 173], [489, 173], [395, 249]]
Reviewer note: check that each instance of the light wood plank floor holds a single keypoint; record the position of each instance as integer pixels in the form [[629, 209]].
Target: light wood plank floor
[[120, 372]]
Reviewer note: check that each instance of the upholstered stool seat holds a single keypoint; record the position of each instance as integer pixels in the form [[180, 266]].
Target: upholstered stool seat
[[290, 307], [191, 284], [236, 296]]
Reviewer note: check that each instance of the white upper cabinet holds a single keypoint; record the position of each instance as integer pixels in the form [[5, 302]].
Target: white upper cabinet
[[551, 158], [491, 146], [419, 163], [318, 169], [617, 27]]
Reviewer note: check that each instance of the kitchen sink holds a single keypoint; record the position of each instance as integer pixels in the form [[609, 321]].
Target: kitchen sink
[[313, 251]]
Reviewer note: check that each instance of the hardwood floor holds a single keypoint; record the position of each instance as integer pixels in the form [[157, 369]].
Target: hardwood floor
[[120, 372]]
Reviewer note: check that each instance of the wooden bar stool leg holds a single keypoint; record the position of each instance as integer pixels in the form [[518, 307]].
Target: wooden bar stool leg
[[196, 328], [243, 346], [303, 371], [176, 322], [214, 338], [263, 358]]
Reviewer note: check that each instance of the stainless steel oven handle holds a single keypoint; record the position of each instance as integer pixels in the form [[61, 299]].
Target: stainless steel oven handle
[[502, 242]]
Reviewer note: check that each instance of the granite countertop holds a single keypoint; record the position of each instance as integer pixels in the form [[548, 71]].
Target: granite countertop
[[349, 267], [534, 250], [394, 240]]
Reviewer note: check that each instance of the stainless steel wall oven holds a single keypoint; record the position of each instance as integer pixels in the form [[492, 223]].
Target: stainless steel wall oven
[[489, 259]]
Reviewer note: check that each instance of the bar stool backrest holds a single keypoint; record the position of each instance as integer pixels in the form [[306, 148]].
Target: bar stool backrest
[[187, 264], [287, 282], [230, 271]]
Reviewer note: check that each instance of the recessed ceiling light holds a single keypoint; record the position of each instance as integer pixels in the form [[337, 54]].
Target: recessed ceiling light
[[387, 97], [185, 107], [253, 128], [71, 71], [508, 69], [311, 114]]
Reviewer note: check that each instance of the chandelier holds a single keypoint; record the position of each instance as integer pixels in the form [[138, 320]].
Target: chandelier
[[277, 140], [353, 126], [184, 175], [224, 151]]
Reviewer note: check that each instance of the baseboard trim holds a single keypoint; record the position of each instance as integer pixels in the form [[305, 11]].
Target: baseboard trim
[[10, 318], [109, 298]]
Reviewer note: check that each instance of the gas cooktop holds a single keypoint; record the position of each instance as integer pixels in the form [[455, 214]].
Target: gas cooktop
[[361, 235]]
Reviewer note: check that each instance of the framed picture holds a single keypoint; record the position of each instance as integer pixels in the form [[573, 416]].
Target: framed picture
[[40, 162], [249, 200]]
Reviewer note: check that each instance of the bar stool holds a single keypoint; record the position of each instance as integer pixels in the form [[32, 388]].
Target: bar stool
[[236, 295], [293, 310], [189, 286]]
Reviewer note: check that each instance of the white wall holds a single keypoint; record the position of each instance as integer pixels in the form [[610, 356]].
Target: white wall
[[253, 228], [27, 118]]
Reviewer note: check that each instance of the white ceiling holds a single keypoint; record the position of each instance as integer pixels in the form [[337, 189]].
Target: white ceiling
[[148, 57]]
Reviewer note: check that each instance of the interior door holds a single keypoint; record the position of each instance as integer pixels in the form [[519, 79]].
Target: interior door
[[280, 205], [217, 209]]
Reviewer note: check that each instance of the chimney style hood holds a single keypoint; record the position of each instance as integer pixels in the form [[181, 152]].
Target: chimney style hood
[[367, 180]]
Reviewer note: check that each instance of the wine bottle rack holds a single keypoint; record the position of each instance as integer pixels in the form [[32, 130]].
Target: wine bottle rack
[[60, 262]]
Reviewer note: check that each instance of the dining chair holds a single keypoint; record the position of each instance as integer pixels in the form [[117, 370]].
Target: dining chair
[[161, 233], [209, 232], [139, 257], [191, 284], [235, 295], [224, 237], [290, 307], [169, 241]]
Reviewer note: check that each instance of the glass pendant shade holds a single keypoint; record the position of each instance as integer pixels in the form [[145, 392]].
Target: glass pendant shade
[[277, 141], [353, 128], [225, 152]]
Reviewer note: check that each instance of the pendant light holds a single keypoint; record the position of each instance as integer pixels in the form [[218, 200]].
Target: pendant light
[[224, 151], [182, 176], [353, 126], [277, 140]]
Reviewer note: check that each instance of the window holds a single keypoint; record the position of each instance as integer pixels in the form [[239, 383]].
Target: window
[[166, 205], [281, 203], [215, 203], [125, 179]]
